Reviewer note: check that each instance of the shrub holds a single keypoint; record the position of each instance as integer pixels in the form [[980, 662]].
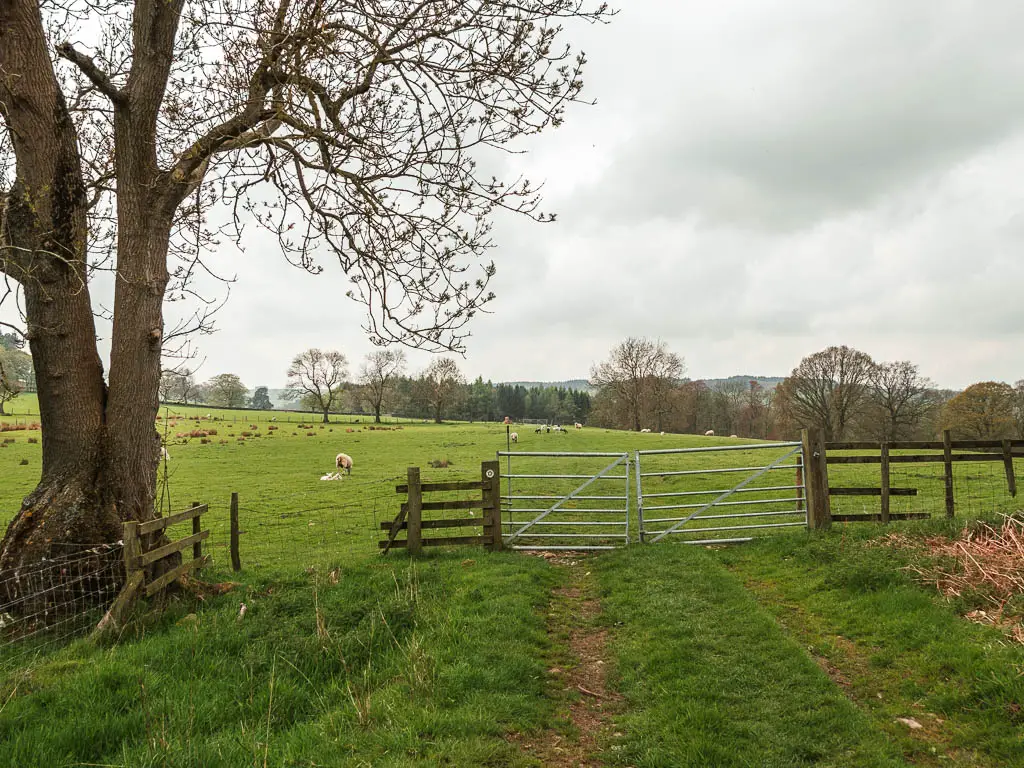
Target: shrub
[[211, 431]]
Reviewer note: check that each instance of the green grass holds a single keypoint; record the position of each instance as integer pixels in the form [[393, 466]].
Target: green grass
[[712, 680], [437, 665], [414, 664], [897, 648]]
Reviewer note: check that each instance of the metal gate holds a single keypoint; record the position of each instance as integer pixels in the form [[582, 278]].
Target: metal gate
[[563, 500], [678, 491]]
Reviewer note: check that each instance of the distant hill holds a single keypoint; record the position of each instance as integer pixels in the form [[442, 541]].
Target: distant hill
[[768, 382], [582, 385]]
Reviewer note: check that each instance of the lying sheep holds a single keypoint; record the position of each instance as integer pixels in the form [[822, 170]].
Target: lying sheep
[[644, 430], [732, 435], [344, 461], [514, 437]]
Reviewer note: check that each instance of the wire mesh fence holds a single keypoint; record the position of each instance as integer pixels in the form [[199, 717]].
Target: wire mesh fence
[[980, 489], [44, 605]]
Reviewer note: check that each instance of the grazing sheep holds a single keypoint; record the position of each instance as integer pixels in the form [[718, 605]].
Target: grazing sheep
[[344, 461], [709, 433], [577, 425], [514, 437], [645, 430]]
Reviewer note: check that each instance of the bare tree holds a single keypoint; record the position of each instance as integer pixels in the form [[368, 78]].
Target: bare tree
[[366, 120], [318, 378], [177, 386], [637, 376], [10, 380], [440, 386], [827, 390], [900, 401], [379, 373]]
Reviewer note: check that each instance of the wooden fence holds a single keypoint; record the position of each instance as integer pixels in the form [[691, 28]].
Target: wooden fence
[[138, 560], [410, 516], [817, 461]]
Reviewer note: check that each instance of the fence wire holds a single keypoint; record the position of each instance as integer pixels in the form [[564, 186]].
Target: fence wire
[[62, 597]]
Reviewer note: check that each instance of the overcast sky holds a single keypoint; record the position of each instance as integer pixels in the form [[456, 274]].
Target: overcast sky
[[757, 181]]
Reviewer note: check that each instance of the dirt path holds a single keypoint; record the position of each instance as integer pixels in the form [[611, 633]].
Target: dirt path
[[579, 673]]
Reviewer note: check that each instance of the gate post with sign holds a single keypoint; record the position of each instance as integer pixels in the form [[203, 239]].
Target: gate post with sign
[[491, 481], [819, 511]]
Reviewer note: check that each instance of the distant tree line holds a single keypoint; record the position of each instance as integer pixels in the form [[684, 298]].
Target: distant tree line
[[318, 381], [840, 390]]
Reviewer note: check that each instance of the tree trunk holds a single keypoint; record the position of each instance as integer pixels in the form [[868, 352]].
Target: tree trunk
[[326, 419], [100, 447], [376, 413]]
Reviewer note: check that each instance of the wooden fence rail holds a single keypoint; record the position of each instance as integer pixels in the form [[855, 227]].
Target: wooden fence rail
[[817, 461], [137, 560], [410, 514]]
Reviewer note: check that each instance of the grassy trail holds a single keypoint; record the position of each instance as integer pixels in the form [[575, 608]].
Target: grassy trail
[[711, 679], [577, 678], [899, 652]]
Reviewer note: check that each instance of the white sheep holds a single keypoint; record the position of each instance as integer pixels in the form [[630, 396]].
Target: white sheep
[[514, 437], [164, 454], [709, 433], [578, 425], [644, 430], [343, 461], [733, 435]]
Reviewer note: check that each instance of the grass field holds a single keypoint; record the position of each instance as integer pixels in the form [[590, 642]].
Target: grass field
[[793, 650]]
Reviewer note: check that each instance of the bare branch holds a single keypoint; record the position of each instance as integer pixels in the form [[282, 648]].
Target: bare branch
[[96, 76]]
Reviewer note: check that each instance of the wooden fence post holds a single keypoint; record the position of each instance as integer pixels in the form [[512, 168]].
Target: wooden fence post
[[799, 482], [947, 458], [236, 557], [197, 527], [885, 482], [489, 475], [819, 511], [131, 551], [1011, 479], [414, 513]]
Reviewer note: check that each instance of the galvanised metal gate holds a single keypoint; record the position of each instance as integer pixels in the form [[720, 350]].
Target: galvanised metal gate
[[563, 500], [678, 491]]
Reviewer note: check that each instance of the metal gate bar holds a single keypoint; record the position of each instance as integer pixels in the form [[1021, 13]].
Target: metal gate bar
[[527, 534], [721, 495]]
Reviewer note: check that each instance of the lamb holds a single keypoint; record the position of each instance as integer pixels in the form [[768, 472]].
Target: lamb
[[164, 454], [709, 433], [577, 425], [514, 437], [538, 430], [344, 461]]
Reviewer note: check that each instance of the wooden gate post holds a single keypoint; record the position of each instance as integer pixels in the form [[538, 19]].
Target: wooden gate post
[[491, 479], [414, 514], [819, 510], [800, 482], [947, 458], [236, 556]]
